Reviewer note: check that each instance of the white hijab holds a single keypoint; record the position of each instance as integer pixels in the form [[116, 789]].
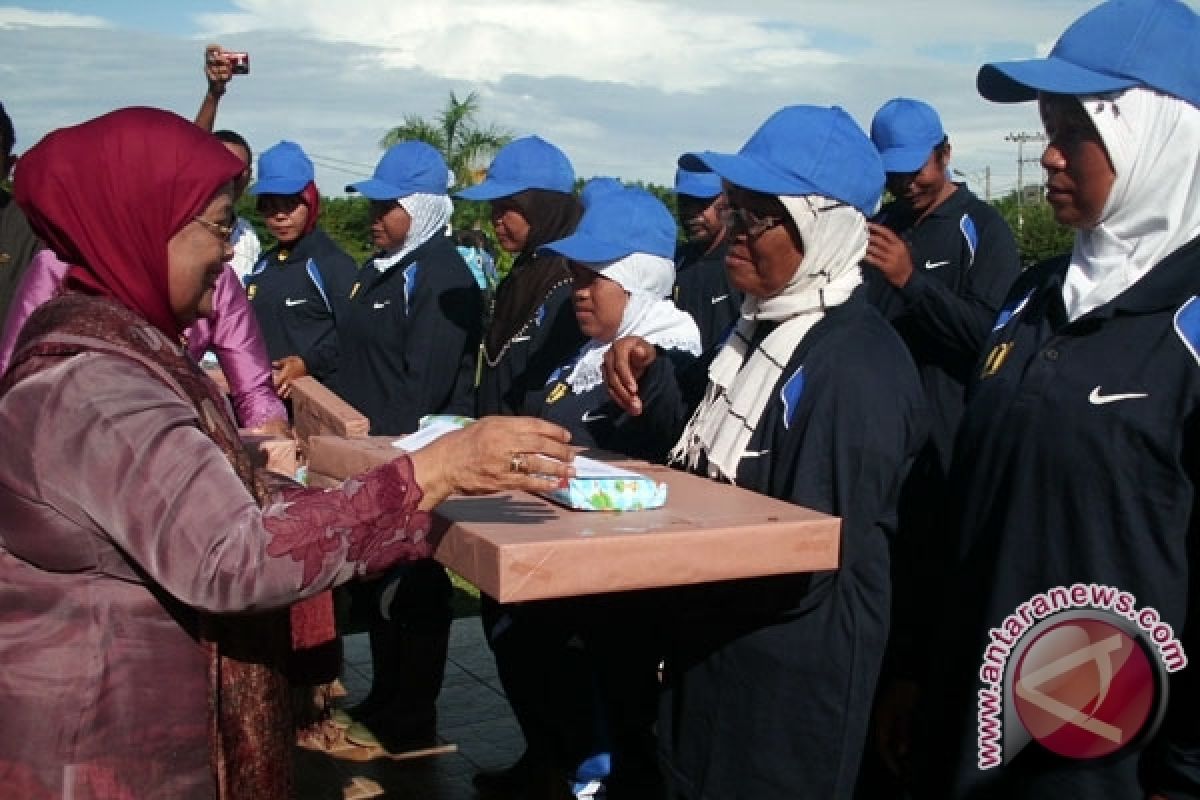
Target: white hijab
[[741, 378], [430, 214], [649, 314], [1153, 208]]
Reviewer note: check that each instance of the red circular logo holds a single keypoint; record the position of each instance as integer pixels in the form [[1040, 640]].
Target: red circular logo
[[1084, 688]]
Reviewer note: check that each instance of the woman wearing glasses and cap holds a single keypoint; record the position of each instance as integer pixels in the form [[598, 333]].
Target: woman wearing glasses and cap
[[144, 563], [1078, 459], [814, 400]]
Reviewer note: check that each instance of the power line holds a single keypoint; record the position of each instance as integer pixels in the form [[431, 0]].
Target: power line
[[343, 161], [321, 162]]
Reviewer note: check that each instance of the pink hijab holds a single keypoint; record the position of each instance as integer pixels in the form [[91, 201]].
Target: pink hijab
[[108, 195]]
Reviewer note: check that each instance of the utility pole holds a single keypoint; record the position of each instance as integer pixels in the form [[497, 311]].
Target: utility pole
[[1021, 139], [987, 180]]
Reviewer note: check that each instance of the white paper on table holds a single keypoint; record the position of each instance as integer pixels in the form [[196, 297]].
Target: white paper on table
[[587, 468], [434, 430]]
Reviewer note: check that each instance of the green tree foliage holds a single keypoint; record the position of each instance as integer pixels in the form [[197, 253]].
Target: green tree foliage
[[1039, 236], [466, 145]]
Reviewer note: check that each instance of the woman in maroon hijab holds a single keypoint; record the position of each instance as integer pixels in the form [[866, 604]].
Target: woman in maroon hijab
[[143, 561]]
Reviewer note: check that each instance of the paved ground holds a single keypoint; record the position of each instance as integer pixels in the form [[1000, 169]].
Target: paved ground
[[472, 713]]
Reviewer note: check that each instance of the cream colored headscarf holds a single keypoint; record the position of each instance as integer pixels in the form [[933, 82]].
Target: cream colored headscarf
[[742, 378], [1153, 209]]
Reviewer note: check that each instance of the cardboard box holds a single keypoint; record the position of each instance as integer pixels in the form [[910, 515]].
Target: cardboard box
[[316, 410], [275, 453], [516, 546], [339, 458]]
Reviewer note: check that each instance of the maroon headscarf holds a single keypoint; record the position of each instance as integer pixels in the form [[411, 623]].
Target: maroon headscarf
[[311, 198], [108, 195]]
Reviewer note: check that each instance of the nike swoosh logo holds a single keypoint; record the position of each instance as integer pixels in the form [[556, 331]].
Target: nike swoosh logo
[[383, 304], [517, 339], [588, 416], [754, 453], [935, 264], [716, 300], [290, 302], [1097, 399]]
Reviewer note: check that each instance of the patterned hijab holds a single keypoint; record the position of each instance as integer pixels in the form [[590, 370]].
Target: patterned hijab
[[111, 215]]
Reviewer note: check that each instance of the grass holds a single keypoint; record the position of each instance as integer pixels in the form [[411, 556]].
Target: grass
[[465, 602]]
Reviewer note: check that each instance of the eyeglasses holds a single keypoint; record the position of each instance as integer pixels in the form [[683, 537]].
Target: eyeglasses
[[746, 220], [222, 232]]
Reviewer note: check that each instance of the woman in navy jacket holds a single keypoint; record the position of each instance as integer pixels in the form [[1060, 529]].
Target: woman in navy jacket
[[408, 329], [295, 285], [590, 712], [814, 400], [530, 185], [1078, 457]]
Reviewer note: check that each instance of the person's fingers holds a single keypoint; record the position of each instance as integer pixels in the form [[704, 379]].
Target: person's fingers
[[536, 426], [555, 468], [612, 381], [536, 483]]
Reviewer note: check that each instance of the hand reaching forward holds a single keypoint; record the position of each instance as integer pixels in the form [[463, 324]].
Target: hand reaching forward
[[287, 369], [624, 364], [494, 454]]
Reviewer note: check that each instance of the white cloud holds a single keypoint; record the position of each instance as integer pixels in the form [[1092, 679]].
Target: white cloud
[[623, 86], [12, 17], [633, 42]]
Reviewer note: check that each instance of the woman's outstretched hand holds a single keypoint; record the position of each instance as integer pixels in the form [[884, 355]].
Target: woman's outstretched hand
[[494, 454], [624, 365]]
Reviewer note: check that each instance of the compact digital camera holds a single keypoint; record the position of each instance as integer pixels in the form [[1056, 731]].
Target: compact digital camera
[[239, 63]]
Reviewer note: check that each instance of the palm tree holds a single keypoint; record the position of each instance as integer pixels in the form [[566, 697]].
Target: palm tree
[[467, 147]]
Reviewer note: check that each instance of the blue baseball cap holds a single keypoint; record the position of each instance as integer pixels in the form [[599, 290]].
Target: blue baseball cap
[[283, 169], [803, 150], [1115, 46], [596, 187], [705, 184], [406, 168], [528, 163], [905, 131], [619, 222]]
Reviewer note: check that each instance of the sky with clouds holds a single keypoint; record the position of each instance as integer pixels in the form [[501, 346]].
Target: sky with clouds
[[623, 86]]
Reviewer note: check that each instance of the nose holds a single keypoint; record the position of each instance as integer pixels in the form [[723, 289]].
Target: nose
[[1052, 158]]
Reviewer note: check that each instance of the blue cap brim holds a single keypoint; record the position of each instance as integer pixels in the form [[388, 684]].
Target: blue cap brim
[[586, 249], [1020, 81], [906, 159], [704, 185], [490, 190], [375, 189], [747, 173], [277, 186]]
